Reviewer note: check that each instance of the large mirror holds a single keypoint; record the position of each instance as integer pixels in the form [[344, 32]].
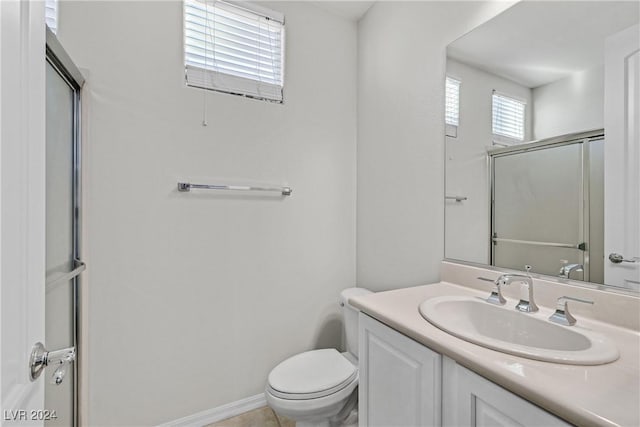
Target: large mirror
[[542, 142]]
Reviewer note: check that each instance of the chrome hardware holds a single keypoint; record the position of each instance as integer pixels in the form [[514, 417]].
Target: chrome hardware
[[41, 358], [527, 305], [456, 198], [78, 267], [59, 374], [567, 269], [496, 294], [562, 315], [617, 258], [524, 305], [581, 246], [186, 186]]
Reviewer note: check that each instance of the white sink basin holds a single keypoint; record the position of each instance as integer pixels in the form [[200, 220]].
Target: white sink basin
[[504, 329]]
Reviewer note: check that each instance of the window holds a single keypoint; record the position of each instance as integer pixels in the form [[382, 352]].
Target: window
[[452, 107], [234, 48], [508, 118], [51, 14]]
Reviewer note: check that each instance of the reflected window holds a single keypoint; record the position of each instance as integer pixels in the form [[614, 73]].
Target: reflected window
[[51, 14], [452, 106], [508, 118]]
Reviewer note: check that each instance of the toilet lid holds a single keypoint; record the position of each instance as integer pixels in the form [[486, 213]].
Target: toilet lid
[[312, 372]]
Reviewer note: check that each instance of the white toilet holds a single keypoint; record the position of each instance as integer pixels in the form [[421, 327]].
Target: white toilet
[[320, 387]]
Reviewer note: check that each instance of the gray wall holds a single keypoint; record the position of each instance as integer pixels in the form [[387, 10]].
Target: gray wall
[[401, 72], [572, 104], [193, 298]]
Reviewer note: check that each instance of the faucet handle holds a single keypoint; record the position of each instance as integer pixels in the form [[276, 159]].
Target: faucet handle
[[562, 315], [496, 294], [563, 265]]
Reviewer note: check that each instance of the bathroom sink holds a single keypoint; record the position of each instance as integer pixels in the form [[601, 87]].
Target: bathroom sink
[[504, 329]]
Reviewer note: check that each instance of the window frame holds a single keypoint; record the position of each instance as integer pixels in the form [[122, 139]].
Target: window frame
[[241, 84], [451, 129], [503, 137]]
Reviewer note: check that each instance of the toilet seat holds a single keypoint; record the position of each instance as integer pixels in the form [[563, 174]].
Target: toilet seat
[[311, 375]]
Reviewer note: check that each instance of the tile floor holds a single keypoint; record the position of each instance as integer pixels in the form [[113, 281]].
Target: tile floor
[[261, 417]]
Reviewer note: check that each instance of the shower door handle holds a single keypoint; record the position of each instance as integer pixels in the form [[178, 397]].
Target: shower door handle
[[41, 358], [617, 258], [78, 267]]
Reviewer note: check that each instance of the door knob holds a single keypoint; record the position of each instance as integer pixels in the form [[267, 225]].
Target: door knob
[[41, 358], [617, 258]]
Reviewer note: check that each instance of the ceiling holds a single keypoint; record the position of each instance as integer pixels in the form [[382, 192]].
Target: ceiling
[[351, 10], [537, 42]]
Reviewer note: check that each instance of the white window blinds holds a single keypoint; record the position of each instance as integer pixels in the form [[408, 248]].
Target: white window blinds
[[452, 104], [235, 48], [508, 117], [51, 14]]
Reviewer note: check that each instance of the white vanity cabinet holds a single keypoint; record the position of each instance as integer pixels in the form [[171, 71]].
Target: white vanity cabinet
[[471, 400], [400, 379], [405, 384]]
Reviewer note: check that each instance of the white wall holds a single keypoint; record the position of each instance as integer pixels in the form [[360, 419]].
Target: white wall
[[467, 223], [572, 104], [194, 297], [401, 71]]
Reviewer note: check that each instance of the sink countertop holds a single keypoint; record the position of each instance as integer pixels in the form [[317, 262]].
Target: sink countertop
[[602, 395]]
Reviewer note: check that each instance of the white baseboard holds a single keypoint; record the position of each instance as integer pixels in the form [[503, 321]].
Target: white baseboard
[[220, 413]]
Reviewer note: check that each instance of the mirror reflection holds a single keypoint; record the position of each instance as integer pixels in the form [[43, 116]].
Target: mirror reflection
[[542, 142]]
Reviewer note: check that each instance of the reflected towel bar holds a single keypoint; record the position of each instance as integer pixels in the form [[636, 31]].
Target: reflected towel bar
[[79, 268], [580, 246], [186, 186], [456, 198]]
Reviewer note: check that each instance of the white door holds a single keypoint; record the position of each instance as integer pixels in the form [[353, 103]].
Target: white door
[[22, 207], [622, 159]]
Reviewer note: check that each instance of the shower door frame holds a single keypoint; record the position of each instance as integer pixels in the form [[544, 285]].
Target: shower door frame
[[563, 140], [58, 58]]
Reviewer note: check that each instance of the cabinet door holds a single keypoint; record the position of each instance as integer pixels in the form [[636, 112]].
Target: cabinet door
[[471, 400], [399, 379]]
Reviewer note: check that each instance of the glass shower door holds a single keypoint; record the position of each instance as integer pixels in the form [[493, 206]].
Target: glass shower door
[[61, 242], [538, 215]]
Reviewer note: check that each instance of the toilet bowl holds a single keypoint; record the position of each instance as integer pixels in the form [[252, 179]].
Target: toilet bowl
[[319, 388]]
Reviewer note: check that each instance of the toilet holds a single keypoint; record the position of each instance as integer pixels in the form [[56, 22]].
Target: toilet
[[319, 388]]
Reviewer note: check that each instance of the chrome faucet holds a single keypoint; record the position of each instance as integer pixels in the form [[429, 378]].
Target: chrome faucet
[[496, 294], [525, 305], [567, 269], [562, 315]]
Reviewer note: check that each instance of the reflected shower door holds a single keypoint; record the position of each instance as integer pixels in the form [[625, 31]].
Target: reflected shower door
[[61, 238], [538, 201]]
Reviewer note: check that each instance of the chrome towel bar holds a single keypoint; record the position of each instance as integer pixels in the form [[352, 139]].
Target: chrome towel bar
[[186, 186], [456, 198], [580, 246]]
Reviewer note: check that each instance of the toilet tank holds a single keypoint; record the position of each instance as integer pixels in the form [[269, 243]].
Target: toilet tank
[[350, 316]]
